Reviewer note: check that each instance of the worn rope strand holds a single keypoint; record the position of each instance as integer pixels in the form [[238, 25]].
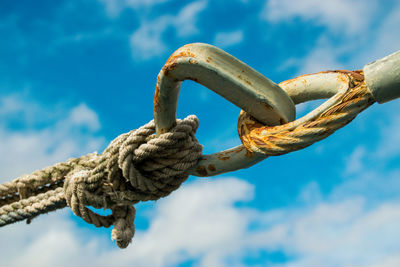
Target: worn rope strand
[[136, 166], [279, 140], [139, 166]]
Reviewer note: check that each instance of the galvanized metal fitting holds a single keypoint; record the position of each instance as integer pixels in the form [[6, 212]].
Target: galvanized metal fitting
[[383, 78], [230, 78]]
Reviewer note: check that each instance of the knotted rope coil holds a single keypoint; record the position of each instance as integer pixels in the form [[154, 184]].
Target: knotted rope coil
[[136, 166], [140, 166]]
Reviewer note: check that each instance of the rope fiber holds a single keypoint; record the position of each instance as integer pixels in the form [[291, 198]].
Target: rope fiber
[[136, 166], [296, 135], [140, 166]]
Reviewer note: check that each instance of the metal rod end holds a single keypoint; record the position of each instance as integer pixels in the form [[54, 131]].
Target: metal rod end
[[383, 78]]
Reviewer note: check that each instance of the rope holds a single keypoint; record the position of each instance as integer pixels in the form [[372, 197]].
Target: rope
[[140, 166], [296, 135], [136, 166]]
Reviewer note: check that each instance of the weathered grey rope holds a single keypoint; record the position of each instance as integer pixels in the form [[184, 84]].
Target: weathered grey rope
[[136, 166], [32, 207], [45, 179]]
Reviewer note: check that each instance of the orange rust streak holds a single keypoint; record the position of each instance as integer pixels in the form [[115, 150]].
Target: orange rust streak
[[156, 96], [169, 66], [171, 62], [211, 167], [251, 132], [202, 171], [174, 56], [243, 79], [249, 153]]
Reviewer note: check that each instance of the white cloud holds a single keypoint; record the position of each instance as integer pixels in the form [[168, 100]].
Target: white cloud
[[338, 15], [340, 234], [198, 221], [226, 39], [385, 39], [148, 41], [201, 222], [114, 7], [83, 116], [390, 142], [354, 162], [185, 21], [322, 57], [71, 133], [348, 41]]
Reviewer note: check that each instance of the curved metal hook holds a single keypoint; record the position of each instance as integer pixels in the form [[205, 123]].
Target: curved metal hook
[[230, 78]]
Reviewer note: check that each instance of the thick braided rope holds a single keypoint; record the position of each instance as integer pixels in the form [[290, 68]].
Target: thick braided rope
[[43, 180], [293, 136], [32, 207], [136, 166]]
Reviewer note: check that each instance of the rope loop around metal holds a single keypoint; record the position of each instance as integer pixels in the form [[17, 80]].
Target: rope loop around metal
[[136, 166], [351, 96], [151, 162]]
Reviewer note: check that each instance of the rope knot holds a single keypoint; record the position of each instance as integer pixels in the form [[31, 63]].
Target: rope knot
[[136, 166]]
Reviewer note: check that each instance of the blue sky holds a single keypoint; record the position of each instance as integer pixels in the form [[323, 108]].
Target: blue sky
[[74, 75]]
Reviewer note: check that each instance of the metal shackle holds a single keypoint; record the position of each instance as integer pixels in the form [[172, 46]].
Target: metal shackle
[[233, 80]]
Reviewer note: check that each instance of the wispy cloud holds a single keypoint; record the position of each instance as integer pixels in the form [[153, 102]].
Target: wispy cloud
[[358, 39], [202, 222], [338, 15], [227, 39], [114, 7], [390, 143], [67, 132], [354, 162], [149, 41]]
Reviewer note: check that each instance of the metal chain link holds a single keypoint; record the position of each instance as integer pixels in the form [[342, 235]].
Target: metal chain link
[[266, 127]]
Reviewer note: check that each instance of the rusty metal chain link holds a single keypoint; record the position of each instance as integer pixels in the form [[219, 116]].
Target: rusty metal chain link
[[141, 166], [315, 126]]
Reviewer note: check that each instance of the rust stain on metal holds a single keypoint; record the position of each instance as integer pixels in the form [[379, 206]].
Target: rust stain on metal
[[193, 61], [156, 96], [185, 53], [211, 168], [226, 155], [193, 79], [169, 66], [249, 153], [267, 137], [300, 78], [267, 107], [171, 63], [243, 79], [202, 171]]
